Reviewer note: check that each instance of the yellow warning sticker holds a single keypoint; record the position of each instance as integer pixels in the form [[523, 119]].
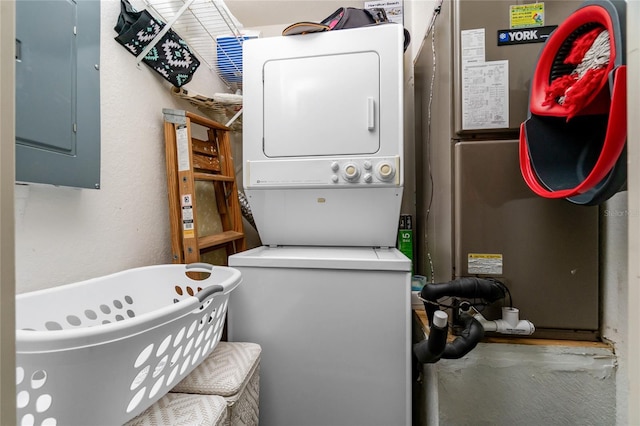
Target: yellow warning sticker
[[483, 263], [526, 15], [188, 230]]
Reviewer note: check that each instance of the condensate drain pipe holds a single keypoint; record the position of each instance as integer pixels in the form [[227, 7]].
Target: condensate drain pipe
[[436, 347], [509, 324]]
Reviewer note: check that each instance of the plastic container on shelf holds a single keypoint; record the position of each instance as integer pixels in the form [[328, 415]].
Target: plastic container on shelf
[[101, 351], [229, 55]]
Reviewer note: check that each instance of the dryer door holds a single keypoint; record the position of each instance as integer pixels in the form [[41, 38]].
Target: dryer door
[[322, 105]]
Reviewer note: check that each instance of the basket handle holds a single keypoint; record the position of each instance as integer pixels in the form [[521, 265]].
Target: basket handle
[[206, 292], [200, 265]]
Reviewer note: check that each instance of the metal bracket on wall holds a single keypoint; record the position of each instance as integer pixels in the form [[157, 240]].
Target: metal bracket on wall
[[175, 116]]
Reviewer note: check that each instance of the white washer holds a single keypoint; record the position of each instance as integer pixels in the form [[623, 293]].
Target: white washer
[[334, 326]]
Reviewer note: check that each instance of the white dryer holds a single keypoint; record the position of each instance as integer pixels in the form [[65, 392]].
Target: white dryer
[[323, 136]]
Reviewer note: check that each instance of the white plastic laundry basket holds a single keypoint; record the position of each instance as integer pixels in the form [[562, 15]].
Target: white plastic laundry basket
[[99, 352]]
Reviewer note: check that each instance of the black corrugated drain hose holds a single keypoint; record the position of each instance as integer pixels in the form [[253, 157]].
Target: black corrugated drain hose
[[434, 348]]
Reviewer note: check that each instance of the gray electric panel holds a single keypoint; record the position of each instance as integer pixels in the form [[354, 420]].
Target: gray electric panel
[[58, 92]]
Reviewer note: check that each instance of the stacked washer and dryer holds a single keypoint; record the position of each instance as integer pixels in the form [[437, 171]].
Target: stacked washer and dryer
[[327, 296]]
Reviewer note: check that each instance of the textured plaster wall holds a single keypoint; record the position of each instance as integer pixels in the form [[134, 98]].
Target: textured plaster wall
[[64, 234], [504, 384], [614, 226], [7, 252], [633, 285]]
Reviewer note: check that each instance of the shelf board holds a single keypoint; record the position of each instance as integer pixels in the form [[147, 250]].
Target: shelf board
[[219, 239], [212, 177]]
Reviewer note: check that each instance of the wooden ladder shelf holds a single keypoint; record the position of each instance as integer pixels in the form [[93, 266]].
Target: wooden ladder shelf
[[204, 210]]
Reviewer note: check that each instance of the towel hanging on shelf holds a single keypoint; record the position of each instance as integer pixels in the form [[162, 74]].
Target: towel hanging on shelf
[[171, 57]]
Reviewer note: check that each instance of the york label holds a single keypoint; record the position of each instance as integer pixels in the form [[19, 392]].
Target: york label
[[522, 36]]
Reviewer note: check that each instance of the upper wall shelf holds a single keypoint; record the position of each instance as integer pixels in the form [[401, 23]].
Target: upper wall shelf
[[199, 23], [223, 107]]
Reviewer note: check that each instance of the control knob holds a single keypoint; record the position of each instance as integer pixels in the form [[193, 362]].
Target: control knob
[[385, 171], [351, 172]]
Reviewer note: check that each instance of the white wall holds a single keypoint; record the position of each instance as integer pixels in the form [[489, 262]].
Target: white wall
[[7, 252], [618, 258], [614, 281], [419, 15], [258, 13], [64, 234], [633, 285]]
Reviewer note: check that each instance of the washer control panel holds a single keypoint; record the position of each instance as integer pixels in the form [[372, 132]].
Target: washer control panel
[[365, 171]]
